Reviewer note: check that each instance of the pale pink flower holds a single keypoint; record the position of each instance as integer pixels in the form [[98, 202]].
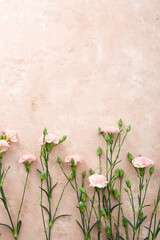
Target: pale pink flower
[[110, 130], [97, 180], [49, 138], [4, 145], [27, 158], [142, 162], [10, 134], [77, 159]]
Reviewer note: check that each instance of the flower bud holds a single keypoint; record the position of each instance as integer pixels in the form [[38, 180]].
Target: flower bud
[[121, 173], [124, 222], [62, 139], [130, 157], [72, 176], [128, 183], [108, 231], [83, 197], [120, 123], [140, 214], [82, 190], [1, 137], [91, 171], [116, 173], [99, 151], [102, 212], [45, 131], [128, 128], [126, 190], [99, 130], [43, 175], [151, 170], [59, 160], [107, 137], [115, 193], [84, 174], [81, 206]]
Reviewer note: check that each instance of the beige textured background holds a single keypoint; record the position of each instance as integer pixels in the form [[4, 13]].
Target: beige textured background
[[73, 66]]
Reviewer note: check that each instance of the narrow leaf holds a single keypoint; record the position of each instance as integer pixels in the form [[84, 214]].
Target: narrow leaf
[[54, 186], [6, 226], [141, 221], [19, 226], [128, 222], [62, 215], [81, 227], [118, 204], [93, 226], [46, 210], [39, 171], [44, 191]]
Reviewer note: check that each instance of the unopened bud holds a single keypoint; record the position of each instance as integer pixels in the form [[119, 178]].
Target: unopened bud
[[91, 171], [84, 174], [62, 139], [128, 183], [99, 151], [116, 173], [121, 173], [140, 214], [43, 175], [99, 130], [45, 131], [72, 176], [120, 123], [130, 157], [151, 170], [59, 160], [124, 222], [115, 193], [128, 128], [108, 231], [83, 197], [81, 206], [102, 212], [82, 190]]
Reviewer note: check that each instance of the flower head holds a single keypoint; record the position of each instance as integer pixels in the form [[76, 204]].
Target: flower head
[[49, 138], [27, 158], [142, 162], [4, 145], [97, 180], [110, 130], [77, 159], [10, 134]]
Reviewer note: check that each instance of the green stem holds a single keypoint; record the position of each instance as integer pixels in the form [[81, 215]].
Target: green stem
[[45, 231], [59, 201], [119, 202], [25, 185], [100, 167], [99, 220], [107, 161]]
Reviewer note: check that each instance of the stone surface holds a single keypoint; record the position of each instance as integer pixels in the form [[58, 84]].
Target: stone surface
[[73, 66]]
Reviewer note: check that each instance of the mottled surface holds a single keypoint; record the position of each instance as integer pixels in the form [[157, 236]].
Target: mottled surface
[[73, 66]]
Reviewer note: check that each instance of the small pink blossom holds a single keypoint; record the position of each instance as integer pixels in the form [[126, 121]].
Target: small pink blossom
[[97, 180], [10, 134], [110, 130], [77, 159], [49, 138], [27, 158], [142, 162], [4, 145]]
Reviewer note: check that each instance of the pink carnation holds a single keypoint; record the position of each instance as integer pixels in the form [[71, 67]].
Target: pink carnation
[[77, 159], [142, 162], [97, 180], [10, 134], [110, 130], [27, 158], [49, 138], [3, 145]]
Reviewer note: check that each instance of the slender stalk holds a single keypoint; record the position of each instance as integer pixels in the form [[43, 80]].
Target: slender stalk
[[25, 185], [100, 167], [45, 231], [99, 210]]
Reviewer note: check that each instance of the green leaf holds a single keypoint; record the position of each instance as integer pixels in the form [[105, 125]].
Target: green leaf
[[92, 227], [54, 186], [149, 230], [44, 191], [128, 222], [141, 221], [62, 215], [158, 228], [19, 226], [46, 210], [147, 205], [81, 227], [39, 171], [118, 204], [6, 226]]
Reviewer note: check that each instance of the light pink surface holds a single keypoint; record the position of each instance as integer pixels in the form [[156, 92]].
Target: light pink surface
[[73, 66]]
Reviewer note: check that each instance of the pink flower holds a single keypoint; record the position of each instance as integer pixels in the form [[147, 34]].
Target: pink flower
[[11, 135], [49, 138], [97, 180], [77, 159], [142, 162], [27, 158], [110, 130], [3, 145]]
